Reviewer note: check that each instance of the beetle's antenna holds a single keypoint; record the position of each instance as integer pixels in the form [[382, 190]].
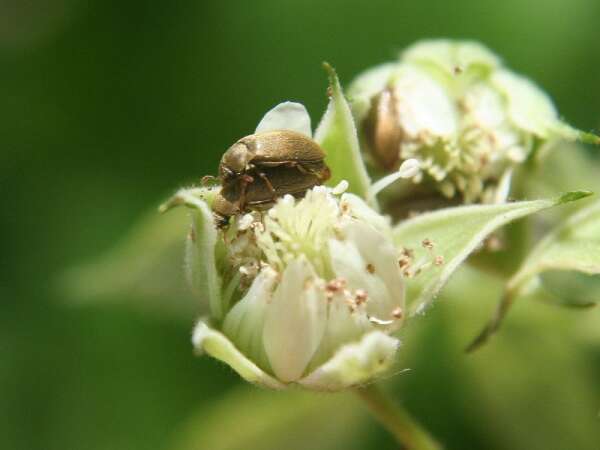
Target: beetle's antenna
[[209, 180]]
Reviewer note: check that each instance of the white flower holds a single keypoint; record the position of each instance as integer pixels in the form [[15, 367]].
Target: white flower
[[308, 292], [326, 294], [453, 106]]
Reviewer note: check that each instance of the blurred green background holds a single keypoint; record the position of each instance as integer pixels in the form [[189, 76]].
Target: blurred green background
[[108, 106]]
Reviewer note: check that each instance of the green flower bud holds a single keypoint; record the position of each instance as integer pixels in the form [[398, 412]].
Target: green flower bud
[[452, 106]]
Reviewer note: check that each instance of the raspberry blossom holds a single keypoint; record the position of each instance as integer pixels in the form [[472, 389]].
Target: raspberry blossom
[[307, 292], [455, 108]]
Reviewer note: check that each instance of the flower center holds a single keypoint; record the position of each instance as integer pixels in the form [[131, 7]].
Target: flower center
[[292, 228]]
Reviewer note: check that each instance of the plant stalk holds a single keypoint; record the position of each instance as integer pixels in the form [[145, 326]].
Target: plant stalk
[[407, 432]]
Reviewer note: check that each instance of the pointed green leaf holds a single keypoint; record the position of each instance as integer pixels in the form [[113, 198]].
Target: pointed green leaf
[[573, 246], [571, 288], [588, 138], [441, 240], [200, 257], [217, 345], [553, 168], [337, 135]]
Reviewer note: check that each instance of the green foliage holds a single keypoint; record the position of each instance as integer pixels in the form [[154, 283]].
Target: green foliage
[[452, 234], [107, 105], [534, 386], [249, 419], [338, 137], [571, 247], [143, 270]]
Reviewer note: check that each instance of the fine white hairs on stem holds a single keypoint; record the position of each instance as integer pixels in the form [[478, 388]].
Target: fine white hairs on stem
[[408, 169]]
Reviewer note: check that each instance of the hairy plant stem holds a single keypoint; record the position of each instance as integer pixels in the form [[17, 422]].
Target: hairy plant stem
[[408, 433]]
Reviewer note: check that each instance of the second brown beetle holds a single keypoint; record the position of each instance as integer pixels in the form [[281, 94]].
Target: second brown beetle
[[382, 130]]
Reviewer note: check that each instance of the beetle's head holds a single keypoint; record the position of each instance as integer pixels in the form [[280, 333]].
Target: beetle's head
[[234, 161], [224, 206]]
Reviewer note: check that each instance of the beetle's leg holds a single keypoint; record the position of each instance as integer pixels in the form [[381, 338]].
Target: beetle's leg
[[208, 180], [306, 170], [267, 182], [245, 180], [301, 167]]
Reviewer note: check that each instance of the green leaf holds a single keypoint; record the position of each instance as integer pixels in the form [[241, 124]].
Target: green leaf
[[573, 246], [541, 372], [337, 135], [142, 271], [571, 288], [251, 419], [200, 256], [553, 168], [216, 344], [588, 138], [442, 240]]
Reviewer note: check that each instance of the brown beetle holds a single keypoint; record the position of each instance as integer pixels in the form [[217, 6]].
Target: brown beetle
[[261, 167], [258, 194], [382, 133], [249, 157]]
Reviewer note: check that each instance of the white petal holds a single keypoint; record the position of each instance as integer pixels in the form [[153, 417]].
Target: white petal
[[366, 86], [450, 56], [218, 346], [485, 105], [344, 325], [358, 209], [354, 364], [295, 321], [529, 108], [424, 105], [368, 261], [286, 116], [244, 323]]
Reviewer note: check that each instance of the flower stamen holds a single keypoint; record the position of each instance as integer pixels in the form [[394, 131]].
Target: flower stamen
[[409, 169]]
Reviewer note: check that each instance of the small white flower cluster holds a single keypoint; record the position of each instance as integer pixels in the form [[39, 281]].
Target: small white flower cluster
[[459, 112]]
